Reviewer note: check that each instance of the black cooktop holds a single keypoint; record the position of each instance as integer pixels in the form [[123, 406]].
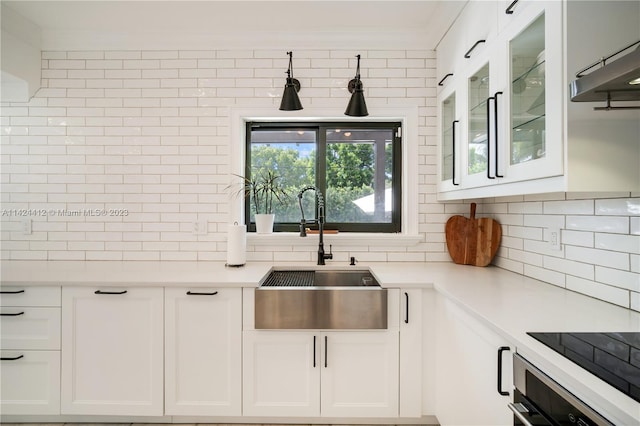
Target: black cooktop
[[613, 357]]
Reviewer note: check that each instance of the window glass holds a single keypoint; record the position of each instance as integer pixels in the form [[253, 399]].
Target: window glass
[[359, 175], [355, 166]]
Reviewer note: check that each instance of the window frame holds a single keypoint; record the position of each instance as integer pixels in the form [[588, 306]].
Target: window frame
[[321, 126]]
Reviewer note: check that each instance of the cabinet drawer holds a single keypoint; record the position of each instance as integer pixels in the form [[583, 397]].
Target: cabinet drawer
[[30, 328], [30, 382], [30, 296]]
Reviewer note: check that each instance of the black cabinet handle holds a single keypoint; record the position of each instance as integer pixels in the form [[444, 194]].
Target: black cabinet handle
[[495, 121], [110, 292], [12, 315], [509, 10], [193, 293], [406, 317], [441, 82], [453, 147], [314, 351], [325, 351], [11, 291], [500, 350], [489, 139], [15, 358], [468, 54]]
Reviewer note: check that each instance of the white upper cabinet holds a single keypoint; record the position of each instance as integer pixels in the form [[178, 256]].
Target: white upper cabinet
[[516, 130]]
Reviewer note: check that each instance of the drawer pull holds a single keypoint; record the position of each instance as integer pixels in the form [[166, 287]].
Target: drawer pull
[[110, 292], [11, 292], [441, 82], [509, 10], [12, 315], [406, 318], [500, 350], [468, 54], [15, 358], [193, 293], [326, 345]]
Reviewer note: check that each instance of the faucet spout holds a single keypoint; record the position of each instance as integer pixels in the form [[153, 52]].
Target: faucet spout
[[322, 255]]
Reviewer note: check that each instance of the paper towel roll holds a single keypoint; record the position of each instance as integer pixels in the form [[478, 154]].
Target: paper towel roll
[[236, 245]]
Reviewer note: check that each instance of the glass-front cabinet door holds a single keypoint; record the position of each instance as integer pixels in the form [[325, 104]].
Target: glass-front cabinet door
[[535, 95], [478, 115], [450, 170]]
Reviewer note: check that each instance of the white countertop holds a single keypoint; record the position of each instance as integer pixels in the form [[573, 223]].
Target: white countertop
[[509, 303]]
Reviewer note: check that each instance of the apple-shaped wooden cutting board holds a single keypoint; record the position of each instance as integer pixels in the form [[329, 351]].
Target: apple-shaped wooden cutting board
[[472, 241]]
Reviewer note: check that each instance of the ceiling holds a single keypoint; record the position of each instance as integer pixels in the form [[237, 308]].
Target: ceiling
[[301, 23]]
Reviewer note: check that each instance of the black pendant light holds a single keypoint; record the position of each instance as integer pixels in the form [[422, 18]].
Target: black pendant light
[[357, 106], [290, 100]]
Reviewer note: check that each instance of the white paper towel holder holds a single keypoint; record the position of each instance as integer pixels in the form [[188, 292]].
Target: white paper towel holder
[[239, 265]]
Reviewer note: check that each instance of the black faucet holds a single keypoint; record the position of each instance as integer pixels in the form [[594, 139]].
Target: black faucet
[[322, 256]]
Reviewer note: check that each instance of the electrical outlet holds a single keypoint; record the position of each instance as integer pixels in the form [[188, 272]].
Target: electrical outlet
[[554, 238], [200, 227], [26, 226]]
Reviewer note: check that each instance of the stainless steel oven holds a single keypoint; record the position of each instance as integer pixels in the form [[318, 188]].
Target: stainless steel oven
[[539, 400]]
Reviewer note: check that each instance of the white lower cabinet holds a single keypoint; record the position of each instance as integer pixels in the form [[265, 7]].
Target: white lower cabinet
[[30, 355], [112, 351], [281, 373], [203, 352], [329, 374], [30, 382], [473, 367]]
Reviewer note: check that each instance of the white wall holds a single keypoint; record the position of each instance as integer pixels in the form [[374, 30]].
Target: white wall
[[149, 131]]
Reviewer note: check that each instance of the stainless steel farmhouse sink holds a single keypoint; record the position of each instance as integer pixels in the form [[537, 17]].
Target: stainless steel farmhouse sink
[[320, 299]]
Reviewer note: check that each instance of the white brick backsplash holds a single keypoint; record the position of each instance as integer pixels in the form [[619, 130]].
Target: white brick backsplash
[[618, 207], [569, 207], [149, 131], [612, 224], [615, 242], [598, 257]]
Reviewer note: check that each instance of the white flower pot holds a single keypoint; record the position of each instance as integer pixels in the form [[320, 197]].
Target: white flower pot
[[264, 223]]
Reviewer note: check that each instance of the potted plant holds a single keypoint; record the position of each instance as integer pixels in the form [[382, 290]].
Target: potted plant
[[264, 191]]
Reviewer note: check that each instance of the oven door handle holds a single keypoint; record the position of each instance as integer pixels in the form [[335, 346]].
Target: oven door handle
[[518, 410]]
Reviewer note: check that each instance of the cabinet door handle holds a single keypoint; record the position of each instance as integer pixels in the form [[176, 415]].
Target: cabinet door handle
[[15, 358], [509, 10], [110, 292], [501, 349], [441, 82], [495, 121], [453, 147], [12, 315], [314, 351], [193, 293], [406, 313], [11, 291], [468, 54], [489, 138], [325, 351]]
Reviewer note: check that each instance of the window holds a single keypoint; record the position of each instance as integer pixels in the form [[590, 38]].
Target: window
[[355, 166]]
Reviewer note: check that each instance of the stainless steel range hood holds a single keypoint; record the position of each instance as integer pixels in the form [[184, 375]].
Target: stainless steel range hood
[[612, 82]]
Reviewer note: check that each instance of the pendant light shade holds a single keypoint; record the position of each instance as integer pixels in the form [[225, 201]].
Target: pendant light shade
[[357, 107], [290, 100]]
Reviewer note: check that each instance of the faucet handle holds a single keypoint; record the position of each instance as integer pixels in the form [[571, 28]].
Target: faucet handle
[[330, 255]]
